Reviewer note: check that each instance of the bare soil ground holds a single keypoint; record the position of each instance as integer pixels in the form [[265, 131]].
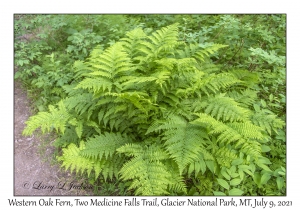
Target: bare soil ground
[[33, 172]]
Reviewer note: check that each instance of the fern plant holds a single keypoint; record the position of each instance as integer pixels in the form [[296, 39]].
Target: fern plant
[[157, 112]]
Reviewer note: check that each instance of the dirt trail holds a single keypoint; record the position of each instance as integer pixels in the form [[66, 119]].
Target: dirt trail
[[33, 173]]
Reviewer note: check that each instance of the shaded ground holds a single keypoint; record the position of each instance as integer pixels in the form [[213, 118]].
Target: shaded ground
[[33, 172]]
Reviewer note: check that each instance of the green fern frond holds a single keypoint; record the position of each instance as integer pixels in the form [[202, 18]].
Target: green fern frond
[[81, 69], [240, 134], [225, 156], [197, 166], [112, 64], [216, 127], [139, 82], [150, 176], [225, 108], [56, 118], [249, 79], [183, 144], [200, 54], [78, 126], [214, 82], [96, 84], [250, 147], [248, 130], [72, 159], [269, 122], [111, 167], [139, 99], [205, 184], [162, 42], [183, 141], [95, 53], [151, 153], [104, 145], [80, 103], [245, 97], [133, 41], [177, 182], [69, 136], [173, 122]]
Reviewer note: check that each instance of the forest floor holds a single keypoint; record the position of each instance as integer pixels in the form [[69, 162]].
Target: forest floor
[[35, 169]]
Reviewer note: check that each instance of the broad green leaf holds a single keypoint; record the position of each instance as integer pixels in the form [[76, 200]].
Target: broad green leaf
[[265, 178], [241, 173], [248, 158], [264, 160], [246, 168], [235, 182], [236, 191], [210, 165], [263, 166], [256, 107], [218, 193], [234, 175], [78, 129], [280, 182], [265, 148], [257, 178], [237, 162], [225, 174], [271, 97], [252, 167], [232, 169], [223, 183], [263, 103], [197, 167], [202, 166]]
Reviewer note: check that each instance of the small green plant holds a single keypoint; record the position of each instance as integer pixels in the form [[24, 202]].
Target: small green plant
[[81, 43]]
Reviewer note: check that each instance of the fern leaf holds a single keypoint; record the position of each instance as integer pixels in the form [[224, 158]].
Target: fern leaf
[[200, 54], [245, 98], [162, 41], [111, 167], [81, 69], [133, 41], [138, 99], [150, 176], [55, 118], [72, 159], [225, 156], [104, 145], [112, 64], [79, 128], [225, 108], [80, 103], [249, 79], [96, 84], [238, 134], [177, 182], [269, 122], [183, 141], [214, 82]]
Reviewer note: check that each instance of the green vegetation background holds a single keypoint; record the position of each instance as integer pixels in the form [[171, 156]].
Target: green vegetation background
[[240, 63]]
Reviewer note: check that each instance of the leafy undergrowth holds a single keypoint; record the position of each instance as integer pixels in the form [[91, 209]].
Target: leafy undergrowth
[[143, 106]]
